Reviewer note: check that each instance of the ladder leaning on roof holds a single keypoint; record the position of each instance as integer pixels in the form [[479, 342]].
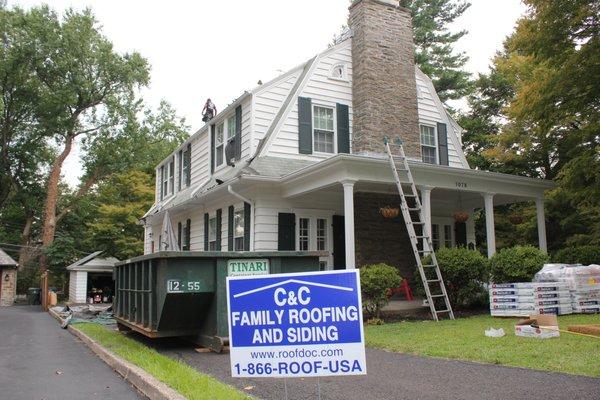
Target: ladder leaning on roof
[[433, 283]]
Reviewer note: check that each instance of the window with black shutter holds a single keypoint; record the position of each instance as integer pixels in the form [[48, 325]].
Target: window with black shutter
[[305, 125], [286, 231]]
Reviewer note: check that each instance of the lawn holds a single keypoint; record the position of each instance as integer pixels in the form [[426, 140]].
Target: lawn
[[464, 339], [187, 381]]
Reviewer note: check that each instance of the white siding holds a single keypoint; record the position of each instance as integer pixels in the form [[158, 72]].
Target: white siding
[[267, 103], [322, 89], [247, 148], [431, 111], [78, 286], [200, 159]]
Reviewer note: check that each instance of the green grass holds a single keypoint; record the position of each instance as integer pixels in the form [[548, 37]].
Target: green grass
[[464, 339], [181, 377]]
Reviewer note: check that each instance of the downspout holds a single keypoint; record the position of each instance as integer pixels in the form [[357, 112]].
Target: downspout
[[252, 214]]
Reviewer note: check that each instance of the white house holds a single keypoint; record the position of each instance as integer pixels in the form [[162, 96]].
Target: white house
[[298, 162]]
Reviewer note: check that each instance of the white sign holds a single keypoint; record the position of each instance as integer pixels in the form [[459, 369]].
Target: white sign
[[246, 267], [296, 325]]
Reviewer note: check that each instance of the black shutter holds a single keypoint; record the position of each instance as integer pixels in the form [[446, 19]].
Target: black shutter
[[188, 231], [179, 235], [219, 213], [343, 128], [212, 149], [230, 229], [180, 167], [238, 132], [188, 175], [442, 143], [286, 233], [206, 232], [247, 226], [304, 125]]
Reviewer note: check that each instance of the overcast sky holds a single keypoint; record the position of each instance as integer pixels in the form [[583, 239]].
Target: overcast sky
[[218, 49]]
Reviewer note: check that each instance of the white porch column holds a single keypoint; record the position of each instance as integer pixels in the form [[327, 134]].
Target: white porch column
[[490, 232], [426, 203], [541, 224], [349, 223]]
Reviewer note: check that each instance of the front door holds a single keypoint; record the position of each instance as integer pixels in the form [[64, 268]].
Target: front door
[[339, 242]]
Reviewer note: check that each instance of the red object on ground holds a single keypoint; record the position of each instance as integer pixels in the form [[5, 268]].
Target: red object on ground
[[403, 288]]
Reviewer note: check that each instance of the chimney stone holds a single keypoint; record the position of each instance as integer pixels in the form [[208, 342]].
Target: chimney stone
[[383, 77]]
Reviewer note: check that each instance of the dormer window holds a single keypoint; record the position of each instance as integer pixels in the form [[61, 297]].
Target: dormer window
[[219, 144], [339, 72]]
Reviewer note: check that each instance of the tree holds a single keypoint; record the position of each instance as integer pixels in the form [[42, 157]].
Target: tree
[[122, 201], [86, 90], [434, 52]]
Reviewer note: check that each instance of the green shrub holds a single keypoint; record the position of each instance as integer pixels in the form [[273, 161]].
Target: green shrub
[[517, 264], [375, 282], [585, 255], [464, 272]]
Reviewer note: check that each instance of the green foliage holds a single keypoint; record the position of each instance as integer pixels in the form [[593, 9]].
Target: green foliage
[[585, 255], [434, 52], [375, 281], [28, 277], [464, 272], [517, 264], [122, 201]]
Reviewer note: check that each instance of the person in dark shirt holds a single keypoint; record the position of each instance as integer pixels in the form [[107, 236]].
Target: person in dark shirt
[[209, 111]]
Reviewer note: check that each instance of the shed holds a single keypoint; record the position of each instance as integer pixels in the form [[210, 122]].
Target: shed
[[8, 279], [91, 276]]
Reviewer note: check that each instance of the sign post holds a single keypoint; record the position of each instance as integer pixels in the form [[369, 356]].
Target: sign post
[[296, 325]]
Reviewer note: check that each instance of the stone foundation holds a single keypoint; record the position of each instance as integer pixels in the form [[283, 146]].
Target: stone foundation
[[379, 239]]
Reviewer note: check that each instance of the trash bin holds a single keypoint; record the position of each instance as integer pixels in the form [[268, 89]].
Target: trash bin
[[33, 296], [170, 294]]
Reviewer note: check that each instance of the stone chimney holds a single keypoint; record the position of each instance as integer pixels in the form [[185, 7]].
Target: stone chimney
[[383, 76]]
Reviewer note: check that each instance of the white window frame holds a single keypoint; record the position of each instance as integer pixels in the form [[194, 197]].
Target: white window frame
[[435, 142], [313, 216], [171, 164], [331, 107], [300, 236], [344, 77], [220, 146], [212, 236], [236, 214], [448, 239]]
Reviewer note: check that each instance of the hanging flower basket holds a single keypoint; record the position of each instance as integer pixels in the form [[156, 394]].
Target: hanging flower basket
[[516, 219], [461, 216], [389, 212]]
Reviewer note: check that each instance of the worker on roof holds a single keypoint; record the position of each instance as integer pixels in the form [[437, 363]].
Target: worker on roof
[[209, 111]]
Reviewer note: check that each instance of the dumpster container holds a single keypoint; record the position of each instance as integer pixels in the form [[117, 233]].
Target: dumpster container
[[33, 296], [170, 294]]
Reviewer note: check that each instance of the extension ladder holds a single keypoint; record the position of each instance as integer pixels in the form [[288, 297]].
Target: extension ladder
[[433, 283]]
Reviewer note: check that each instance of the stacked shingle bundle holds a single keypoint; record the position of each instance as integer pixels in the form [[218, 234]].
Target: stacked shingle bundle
[[583, 283], [527, 298]]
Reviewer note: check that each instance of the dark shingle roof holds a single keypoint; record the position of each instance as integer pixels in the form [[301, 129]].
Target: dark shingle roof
[[6, 260]]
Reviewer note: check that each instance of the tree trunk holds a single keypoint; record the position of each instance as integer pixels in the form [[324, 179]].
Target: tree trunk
[[49, 222], [25, 251]]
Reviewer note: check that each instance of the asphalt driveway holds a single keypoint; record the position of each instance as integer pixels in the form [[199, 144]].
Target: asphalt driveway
[[38, 360], [400, 376]]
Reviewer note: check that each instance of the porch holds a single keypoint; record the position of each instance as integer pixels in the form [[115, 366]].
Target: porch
[[363, 185]]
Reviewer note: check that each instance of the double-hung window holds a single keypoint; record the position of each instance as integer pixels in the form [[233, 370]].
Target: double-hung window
[[219, 144], [428, 145], [212, 234], [303, 234], [184, 167], [435, 236], [164, 173], [171, 175], [321, 234], [231, 127], [323, 131], [448, 236], [238, 230]]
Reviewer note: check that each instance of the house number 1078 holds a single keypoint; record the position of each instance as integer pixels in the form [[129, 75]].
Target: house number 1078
[[462, 185]]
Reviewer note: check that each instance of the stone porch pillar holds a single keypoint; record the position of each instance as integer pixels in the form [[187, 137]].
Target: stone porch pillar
[[426, 203], [349, 223], [541, 224], [490, 232]]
